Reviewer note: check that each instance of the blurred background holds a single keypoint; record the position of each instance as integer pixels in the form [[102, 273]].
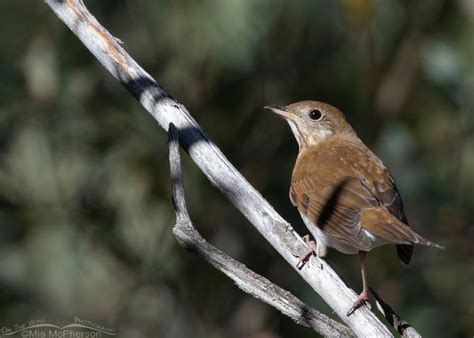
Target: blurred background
[[85, 212]]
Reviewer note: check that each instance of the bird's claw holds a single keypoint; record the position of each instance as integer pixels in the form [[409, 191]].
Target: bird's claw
[[361, 301], [309, 251], [304, 258]]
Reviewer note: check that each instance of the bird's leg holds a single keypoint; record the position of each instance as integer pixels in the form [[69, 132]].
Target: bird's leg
[[364, 295], [317, 248]]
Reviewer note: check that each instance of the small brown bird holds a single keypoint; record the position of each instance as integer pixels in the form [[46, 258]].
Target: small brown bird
[[344, 193]]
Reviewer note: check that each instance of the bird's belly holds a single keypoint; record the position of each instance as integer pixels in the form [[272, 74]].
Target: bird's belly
[[327, 240]]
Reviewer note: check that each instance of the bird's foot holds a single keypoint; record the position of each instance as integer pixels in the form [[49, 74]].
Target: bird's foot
[[312, 249], [361, 301]]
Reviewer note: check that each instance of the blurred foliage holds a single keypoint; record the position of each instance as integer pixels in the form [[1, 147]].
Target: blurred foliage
[[85, 208]]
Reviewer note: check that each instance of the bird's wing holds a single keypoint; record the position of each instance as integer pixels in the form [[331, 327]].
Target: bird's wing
[[388, 194], [330, 197], [334, 186], [381, 223], [336, 210], [388, 221]]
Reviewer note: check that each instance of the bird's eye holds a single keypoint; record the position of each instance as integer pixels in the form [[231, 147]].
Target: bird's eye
[[315, 114]]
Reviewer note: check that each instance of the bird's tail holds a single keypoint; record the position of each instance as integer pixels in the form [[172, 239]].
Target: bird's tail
[[382, 223], [424, 241], [405, 252]]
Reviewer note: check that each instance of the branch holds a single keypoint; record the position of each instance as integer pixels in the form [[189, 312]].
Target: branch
[[220, 172], [244, 278], [405, 329]]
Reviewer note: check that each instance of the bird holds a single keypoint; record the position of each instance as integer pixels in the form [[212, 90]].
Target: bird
[[344, 193]]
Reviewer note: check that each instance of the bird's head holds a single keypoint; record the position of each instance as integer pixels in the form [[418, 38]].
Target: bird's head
[[312, 121]]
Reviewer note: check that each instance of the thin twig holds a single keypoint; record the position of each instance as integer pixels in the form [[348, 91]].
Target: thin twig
[[402, 326], [247, 280]]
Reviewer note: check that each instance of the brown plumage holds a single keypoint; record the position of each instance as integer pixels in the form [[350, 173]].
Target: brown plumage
[[345, 195]]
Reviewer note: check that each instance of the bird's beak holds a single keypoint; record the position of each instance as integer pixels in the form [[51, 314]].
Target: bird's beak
[[280, 110]]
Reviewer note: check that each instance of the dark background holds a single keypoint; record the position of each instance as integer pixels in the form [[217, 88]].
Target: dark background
[[85, 212]]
